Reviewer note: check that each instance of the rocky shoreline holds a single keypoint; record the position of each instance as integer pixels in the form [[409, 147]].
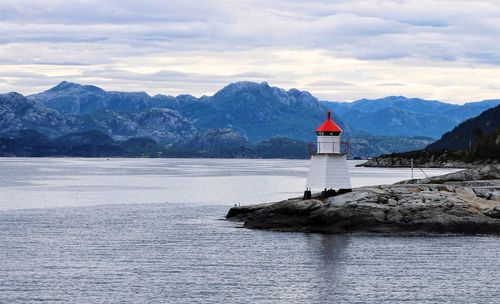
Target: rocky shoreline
[[405, 162], [464, 202]]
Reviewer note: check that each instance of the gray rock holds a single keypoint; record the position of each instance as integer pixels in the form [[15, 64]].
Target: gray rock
[[493, 212], [341, 200], [392, 202], [486, 172], [465, 190], [495, 196], [400, 208]]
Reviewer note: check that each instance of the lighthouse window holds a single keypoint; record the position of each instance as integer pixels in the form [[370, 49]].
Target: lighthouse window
[[327, 133]]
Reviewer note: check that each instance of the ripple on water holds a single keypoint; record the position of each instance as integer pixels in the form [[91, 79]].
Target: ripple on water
[[185, 254], [131, 246]]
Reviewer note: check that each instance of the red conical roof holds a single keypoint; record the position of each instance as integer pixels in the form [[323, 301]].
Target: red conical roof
[[328, 125]]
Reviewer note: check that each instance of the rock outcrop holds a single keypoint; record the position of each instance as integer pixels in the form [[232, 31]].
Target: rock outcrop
[[465, 202], [480, 173]]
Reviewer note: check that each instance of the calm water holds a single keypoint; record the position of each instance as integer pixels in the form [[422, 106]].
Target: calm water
[[151, 230]]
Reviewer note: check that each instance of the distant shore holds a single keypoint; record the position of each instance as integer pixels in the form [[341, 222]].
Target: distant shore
[[393, 161]]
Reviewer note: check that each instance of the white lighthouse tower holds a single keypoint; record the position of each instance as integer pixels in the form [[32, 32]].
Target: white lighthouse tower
[[328, 169]]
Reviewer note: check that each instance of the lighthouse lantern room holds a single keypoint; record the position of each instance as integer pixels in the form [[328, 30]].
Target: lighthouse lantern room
[[328, 168]]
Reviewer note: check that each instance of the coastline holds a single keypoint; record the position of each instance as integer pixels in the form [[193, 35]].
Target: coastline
[[427, 160], [464, 202]]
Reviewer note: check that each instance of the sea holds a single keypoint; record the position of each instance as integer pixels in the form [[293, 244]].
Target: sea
[[76, 230]]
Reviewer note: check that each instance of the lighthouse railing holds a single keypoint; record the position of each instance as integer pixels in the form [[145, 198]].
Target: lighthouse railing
[[329, 148]]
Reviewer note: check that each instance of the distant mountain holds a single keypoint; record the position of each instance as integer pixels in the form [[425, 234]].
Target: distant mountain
[[366, 146], [467, 134], [259, 111], [488, 146], [199, 111], [73, 98], [25, 143], [255, 110], [163, 125], [29, 143], [89, 138], [222, 143], [237, 121], [473, 142], [401, 116], [226, 143], [281, 148], [18, 113]]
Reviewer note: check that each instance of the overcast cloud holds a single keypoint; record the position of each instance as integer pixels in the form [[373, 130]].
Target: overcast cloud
[[338, 50]]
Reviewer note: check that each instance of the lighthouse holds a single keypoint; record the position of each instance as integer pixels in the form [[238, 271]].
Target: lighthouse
[[328, 169]]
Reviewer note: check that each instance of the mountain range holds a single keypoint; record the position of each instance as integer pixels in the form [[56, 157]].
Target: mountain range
[[401, 116], [470, 133], [256, 111], [243, 119], [163, 125], [473, 142]]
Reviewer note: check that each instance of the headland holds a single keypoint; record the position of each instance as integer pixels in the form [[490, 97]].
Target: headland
[[463, 202]]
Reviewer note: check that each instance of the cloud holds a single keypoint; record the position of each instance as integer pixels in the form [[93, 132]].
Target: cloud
[[377, 30], [208, 42], [392, 84], [329, 83]]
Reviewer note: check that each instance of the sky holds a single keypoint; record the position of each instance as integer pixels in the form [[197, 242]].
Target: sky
[[337, 50]]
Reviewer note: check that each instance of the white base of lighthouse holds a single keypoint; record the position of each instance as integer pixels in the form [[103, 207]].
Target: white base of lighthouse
[[328, 171]]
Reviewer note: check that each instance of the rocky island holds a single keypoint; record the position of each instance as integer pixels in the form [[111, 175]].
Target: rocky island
[[464, 202]]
